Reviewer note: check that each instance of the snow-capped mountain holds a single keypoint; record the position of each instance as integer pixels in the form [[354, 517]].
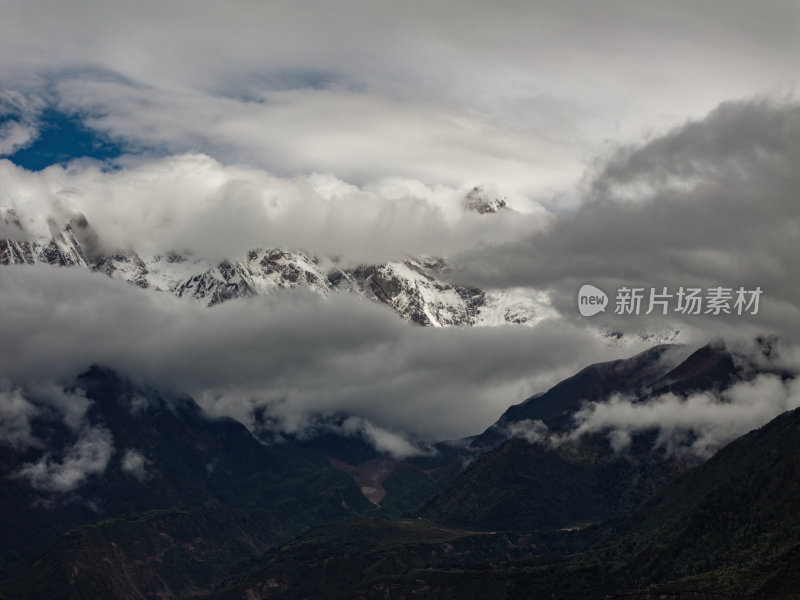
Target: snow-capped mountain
[[481, 201], [416, 288]]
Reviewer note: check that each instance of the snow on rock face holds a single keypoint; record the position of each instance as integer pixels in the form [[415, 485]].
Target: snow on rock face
[[61, 248], [415, 292], [481, 201], [415, 288], [513, 306]]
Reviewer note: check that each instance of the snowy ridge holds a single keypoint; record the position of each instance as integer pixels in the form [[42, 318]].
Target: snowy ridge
[[416, 288]]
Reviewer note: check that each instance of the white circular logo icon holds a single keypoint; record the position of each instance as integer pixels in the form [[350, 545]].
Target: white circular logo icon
[[591, 300]]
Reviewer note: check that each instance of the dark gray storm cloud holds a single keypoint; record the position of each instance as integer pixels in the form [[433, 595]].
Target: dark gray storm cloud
[[712, 203]]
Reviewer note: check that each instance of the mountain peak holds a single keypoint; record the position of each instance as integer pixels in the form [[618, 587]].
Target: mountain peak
[[482, 201]]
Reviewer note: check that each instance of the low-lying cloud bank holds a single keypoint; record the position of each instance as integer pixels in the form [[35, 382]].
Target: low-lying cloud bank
[[55, 470], [698, 424], [294, 353], [88, 456], [295, 362]]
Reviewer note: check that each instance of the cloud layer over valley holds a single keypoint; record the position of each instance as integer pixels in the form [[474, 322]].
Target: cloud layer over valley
[[297, 353]]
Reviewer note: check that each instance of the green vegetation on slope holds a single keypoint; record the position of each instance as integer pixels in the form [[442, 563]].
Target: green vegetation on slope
[[523, 487], [727, 529]]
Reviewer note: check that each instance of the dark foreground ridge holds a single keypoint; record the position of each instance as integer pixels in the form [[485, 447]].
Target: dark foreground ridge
[[729, 528], [221, 514]]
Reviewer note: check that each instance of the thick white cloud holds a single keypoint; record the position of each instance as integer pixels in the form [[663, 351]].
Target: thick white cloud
[[16, 413], [700, 423], [517, 94], [192, 202], [359, 135], [383, 440], [135, 463], [45, 401], [40, 399], [88, 456], [15, 135], [21, 129], [696, 425]]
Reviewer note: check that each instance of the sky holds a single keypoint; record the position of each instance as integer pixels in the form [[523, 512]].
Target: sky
[[522, 95], [640, 144]]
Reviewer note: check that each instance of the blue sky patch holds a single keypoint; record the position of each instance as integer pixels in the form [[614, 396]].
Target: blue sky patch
[[62, 137]]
